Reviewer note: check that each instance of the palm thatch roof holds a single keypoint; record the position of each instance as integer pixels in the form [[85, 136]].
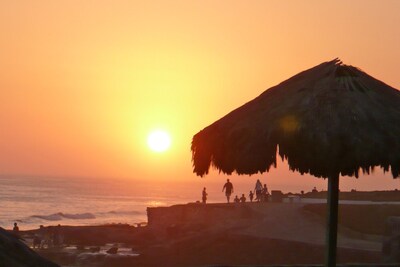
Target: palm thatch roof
[[331, 119]]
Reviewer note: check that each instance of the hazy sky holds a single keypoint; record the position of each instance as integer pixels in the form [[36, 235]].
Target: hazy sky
[[83, 83]]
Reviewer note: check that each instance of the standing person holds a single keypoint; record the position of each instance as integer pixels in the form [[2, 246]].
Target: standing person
[[243, 198], [314, 190], [251, 195], [258, 190], [228, 186], [16, 229], [57, 236], [265, 193], [204, 195], [42, 236]]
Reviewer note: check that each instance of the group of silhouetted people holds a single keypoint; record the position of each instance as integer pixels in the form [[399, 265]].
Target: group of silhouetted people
[[260, 193], [228, 187], [48, 237], [45, 237]]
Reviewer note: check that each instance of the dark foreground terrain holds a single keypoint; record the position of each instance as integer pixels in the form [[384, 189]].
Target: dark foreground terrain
[[215, 235]]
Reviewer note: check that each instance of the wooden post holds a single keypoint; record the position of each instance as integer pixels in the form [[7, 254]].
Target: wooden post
[[332, 221]]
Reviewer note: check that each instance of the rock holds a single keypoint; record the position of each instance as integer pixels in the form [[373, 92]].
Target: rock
[[113, 250], [94, 249]]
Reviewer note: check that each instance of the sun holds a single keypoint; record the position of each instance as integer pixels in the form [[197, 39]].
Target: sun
[[159, 141]]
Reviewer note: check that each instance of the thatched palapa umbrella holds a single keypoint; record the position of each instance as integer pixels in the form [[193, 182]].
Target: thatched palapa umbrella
[[330, 120]]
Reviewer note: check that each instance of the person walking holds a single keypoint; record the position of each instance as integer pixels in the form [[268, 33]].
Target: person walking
[[204, 195], [228, 187]]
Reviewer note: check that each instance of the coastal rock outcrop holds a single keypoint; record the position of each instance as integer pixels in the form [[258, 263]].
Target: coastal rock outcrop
[[14, 253]]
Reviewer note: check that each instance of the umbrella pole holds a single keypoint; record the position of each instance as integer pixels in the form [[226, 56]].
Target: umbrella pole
[[332, 220]]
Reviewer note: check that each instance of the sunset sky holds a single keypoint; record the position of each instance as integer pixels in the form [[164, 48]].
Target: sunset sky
[[83, 83]]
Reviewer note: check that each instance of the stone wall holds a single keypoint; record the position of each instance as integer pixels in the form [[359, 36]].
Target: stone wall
[[197, 213]]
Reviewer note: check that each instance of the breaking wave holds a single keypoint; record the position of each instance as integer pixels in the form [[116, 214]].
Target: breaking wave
[[60, 216], [131, 212]]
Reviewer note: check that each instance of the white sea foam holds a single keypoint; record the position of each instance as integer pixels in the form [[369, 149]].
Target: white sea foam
[[60, 216]]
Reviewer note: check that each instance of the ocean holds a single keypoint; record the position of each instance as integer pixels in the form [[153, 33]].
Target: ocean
[[35, 201]]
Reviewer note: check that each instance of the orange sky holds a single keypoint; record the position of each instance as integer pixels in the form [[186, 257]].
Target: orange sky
[[82, 83]]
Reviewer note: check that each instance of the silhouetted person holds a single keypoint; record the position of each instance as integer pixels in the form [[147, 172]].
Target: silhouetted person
[[237, 200], [38, 238], [37, 241], [251, 196], [258, 190], [57, 236], [242, 198], [16, 229], [47, 237], [228, 187], [204, 195], [314, 190], [265, 193]]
